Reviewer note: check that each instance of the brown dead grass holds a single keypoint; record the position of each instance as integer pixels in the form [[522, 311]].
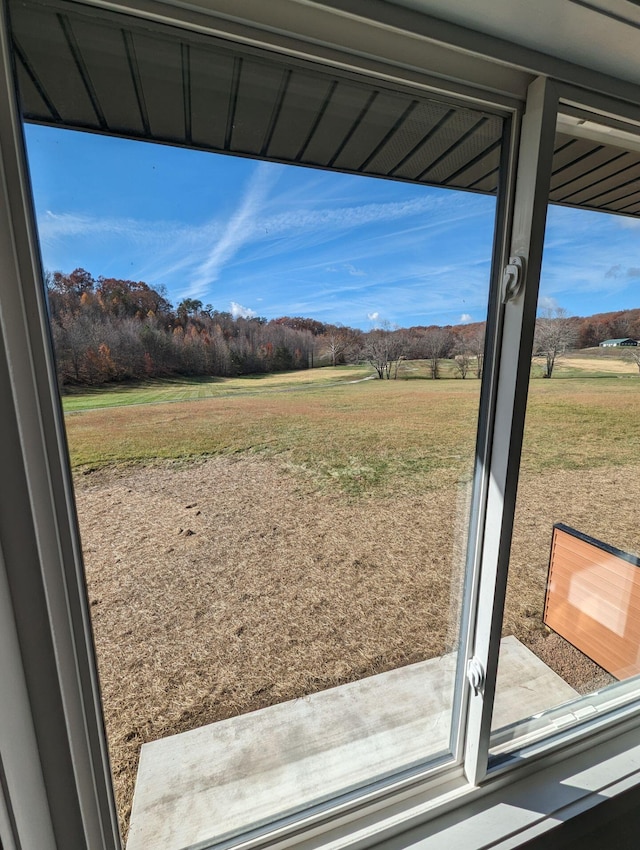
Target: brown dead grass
[[617, 366], [226, 585]]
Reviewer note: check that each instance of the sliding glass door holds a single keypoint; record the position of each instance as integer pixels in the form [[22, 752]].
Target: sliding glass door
[[352, 463]]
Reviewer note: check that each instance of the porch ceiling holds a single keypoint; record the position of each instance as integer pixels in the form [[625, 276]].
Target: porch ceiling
[[95, 72]]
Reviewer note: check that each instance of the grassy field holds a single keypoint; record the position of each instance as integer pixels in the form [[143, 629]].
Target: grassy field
[[590, 363], [371, 433], [255, 540], [358, 435], [194, 389]]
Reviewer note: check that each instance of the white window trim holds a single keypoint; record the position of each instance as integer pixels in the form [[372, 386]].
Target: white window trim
[[60, 684], [19, 762], [38, 533], [512, 351]]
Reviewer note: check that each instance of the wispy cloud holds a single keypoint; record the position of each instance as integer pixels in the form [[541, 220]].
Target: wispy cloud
[[349, 268], [628, 223], [158, 250], [465, 318], [289, 241], [54, 226], [590, 261], [190, 259], [239, 230], [355, 215]]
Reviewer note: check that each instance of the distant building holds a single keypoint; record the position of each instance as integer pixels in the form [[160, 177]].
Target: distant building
[[612, 343]]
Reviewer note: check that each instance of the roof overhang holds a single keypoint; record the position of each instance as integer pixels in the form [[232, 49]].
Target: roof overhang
[[84, 68]]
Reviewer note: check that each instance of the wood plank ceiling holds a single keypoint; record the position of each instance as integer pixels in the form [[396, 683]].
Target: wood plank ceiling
[[92, 71]]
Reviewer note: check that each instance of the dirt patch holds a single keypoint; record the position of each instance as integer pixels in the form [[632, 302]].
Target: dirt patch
[[224, 586]]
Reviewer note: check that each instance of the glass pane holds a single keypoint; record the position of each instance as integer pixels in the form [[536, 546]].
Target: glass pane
[[270, 379], [573, 599]]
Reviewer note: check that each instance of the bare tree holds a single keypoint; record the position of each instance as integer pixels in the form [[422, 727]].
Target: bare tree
[[634, 354], [555, 333], [475, 345], [383, 348], [463, 363], [436, 344], [339, 343]]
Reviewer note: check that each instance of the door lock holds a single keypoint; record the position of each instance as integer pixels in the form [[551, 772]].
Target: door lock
[[513, 278], [475, 675]]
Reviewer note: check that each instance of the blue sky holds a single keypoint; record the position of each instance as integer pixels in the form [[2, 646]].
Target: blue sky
[[271, 240]]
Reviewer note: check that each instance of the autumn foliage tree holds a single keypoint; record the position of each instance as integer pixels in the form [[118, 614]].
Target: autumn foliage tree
[[107, 329]]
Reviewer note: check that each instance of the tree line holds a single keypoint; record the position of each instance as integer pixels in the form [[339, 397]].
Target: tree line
[[107, 329]]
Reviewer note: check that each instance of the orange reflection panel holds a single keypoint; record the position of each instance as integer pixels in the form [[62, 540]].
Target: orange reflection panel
[[593, 600]]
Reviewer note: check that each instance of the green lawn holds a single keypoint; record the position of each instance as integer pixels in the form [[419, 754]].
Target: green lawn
[[193, 389], [383, 436]]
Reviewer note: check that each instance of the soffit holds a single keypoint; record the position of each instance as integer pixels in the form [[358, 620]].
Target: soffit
[[122, 76]]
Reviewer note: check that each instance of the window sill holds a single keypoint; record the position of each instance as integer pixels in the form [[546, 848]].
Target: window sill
[[505, 813]]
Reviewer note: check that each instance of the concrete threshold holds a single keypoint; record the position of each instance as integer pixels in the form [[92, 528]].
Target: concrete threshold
[[222, 779]]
